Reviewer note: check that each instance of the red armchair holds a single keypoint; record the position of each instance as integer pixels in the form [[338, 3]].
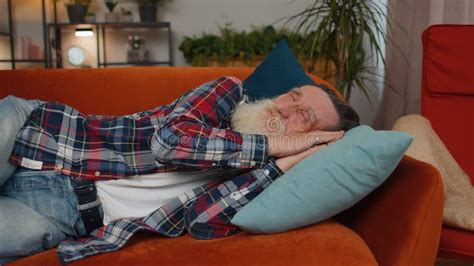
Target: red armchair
[[447, 100]]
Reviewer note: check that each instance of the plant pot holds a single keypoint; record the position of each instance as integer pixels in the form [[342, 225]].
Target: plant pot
[[148, 13], [77, 13], [112, 17]]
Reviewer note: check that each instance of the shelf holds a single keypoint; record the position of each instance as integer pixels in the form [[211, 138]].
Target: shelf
[[136, 63], [113, 25], [22, 61], [136, 24], [101, 29]]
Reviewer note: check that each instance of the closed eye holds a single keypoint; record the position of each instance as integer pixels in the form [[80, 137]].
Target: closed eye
[[293, 97], [297, 93], [310, 115], [305, 115]]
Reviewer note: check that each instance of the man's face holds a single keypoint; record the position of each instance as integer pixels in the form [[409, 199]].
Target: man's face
[[303, 109]]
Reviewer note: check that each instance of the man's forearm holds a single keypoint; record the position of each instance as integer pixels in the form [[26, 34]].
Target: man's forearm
[[290, 144], [193, 145]]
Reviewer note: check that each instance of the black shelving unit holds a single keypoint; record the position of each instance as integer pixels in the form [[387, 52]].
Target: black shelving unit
[[55, 29], [10, 34], [100, 29], [149, 25]]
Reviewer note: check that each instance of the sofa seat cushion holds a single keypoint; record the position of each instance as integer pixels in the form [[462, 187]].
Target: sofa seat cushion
[[456, 244], [326, 243]]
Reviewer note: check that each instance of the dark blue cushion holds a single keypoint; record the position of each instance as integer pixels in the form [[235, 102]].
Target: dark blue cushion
[[278, 73]]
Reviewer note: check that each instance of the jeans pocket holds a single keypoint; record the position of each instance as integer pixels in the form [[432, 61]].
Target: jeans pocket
[[47, 192]]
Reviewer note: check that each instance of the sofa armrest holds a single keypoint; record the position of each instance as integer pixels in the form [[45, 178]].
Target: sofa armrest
[[401, 220]]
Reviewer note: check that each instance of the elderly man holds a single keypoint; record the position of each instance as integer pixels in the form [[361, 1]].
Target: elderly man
[[190, 165]]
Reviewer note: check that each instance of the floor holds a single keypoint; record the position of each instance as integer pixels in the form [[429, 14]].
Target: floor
[[446, 262]]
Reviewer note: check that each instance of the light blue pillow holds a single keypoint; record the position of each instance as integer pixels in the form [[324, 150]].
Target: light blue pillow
[[325, 183], [13, 114]]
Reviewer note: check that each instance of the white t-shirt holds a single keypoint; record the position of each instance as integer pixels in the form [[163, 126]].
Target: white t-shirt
[[139, 196]]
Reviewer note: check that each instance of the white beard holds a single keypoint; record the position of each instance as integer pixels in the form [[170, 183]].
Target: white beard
[[254, 118]]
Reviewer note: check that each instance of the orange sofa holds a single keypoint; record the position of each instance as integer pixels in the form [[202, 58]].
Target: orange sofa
[[398, 224]]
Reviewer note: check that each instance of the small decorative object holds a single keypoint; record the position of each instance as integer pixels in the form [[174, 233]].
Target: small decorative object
[[148, 9], [136, 52], [126, 15], [111, 16], [76, 56], [90, 17], [77, 10]]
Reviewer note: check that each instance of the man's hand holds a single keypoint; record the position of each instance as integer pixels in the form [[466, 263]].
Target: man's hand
[[287, 162], [290, 144]]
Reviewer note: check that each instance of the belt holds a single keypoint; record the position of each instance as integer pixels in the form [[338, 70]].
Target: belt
[[88, 203]]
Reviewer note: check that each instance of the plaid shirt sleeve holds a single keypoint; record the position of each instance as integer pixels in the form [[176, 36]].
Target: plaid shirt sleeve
[[193, 133], [210, 216]]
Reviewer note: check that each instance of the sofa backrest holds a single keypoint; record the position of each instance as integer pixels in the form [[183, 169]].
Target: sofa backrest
[[447, 93], [110, 91], [113, 91]]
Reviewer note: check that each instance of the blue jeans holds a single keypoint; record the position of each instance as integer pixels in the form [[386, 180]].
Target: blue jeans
[[13, 114], [37, 212]]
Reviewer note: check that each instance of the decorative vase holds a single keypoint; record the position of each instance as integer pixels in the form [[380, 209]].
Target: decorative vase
[[148, 13], [77, 13], [137, 53], [112, 17]]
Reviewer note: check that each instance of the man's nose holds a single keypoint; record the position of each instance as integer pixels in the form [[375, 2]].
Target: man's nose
[[287, 109]]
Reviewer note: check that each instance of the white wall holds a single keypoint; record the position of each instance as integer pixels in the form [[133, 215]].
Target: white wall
[[367, 110], [187, 17]]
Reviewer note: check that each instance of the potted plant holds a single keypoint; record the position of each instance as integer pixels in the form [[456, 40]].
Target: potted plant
[[148, 9], [233, 48], [77, 10], [111, 16], [344, 34]]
